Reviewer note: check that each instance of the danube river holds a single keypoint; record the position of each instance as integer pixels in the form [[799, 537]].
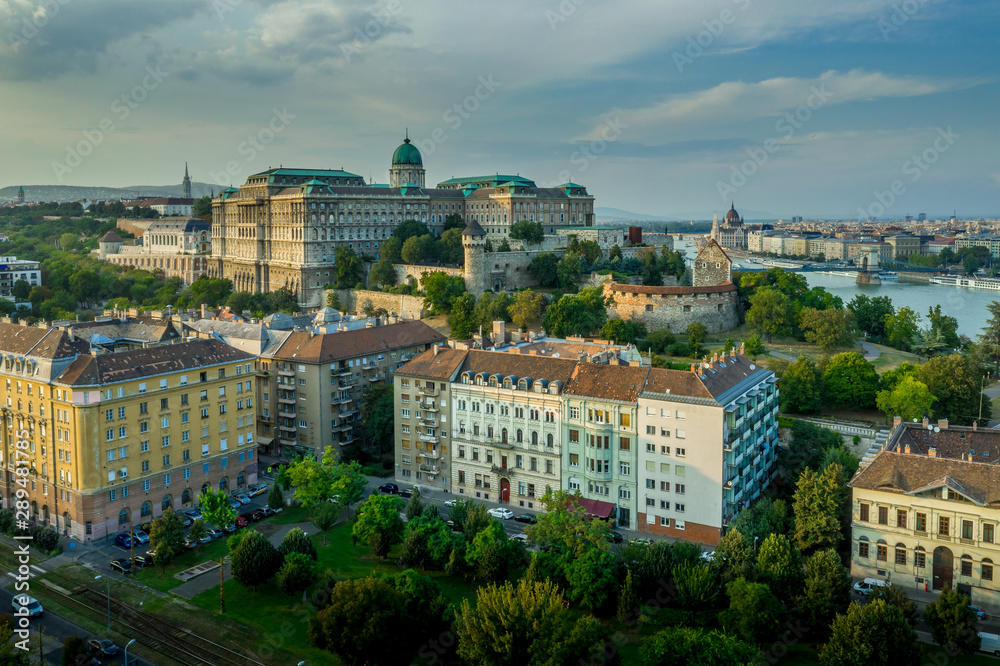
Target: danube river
[[968, 306]]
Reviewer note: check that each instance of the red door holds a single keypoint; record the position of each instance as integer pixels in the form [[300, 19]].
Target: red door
[[504, 491]]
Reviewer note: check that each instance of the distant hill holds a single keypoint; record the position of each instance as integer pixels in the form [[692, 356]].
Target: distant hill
[[34, 193], [607, 215]]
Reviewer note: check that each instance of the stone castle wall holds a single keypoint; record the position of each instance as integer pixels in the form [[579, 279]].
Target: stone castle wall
[[404, 273], [408, 307], [717, 310]]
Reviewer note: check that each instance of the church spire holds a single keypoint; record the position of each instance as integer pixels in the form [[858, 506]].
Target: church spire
[[186, 183]]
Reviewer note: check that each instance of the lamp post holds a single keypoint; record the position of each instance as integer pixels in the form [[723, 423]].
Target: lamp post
[[755, 545], [97, 577], [307, 661], [126, 651]]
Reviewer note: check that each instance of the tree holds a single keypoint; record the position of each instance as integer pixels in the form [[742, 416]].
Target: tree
[[296, 574], [780, 565], [526, 308], [418, 249], [453, 221], [680, 646], [944, 326], [255, 560], [569, 271], [408, 229], [297, 541], [414, 508], [850, 381], [529, 232], [275, 498], [754, 615], [754, 347], [696, 335], [829, 329], [21, 289], [525, 624], [462, 320], [504, 246], [379, 525], [802, 387], [622, 332], [989, 339], [592, 578], [215, 508], [391, 250], [697, 584], [378, 415], [576, 314], [818, 508], [325, 517], [347, 267], [382, 274], [197, 530], [166, 537], [768, 314], [312, 481], [614, 253], [735, 555], [628, 602], [349, 482], [203, 208], [875, 634], [565, 527], [827, 589], [894, 595], [470, 517], [439, 291], [450, 249], [956, 383], [870, 314], [953, 624], [910, 399], [901, 328], [544, 268]]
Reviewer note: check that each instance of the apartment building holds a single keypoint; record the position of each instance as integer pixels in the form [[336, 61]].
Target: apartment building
[[600, 435], [926, 513], [13, 269], [506, 423], [313, 382], [117, 438], [707, 445]]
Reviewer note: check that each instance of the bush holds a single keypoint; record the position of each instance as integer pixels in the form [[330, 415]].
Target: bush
[[6, 521], [679, 349], [73, 646]]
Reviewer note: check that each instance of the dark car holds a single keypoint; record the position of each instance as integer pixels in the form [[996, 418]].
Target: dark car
[[613, 537], [185, 520], [140, 562], [190, 543], [268, 511], [389, 489], [146, 527], [453, 525], [405, 493], [102, 647], [123, 540], [241, 521], [258, 514], [526, 518], [150, 556], [250, 517]]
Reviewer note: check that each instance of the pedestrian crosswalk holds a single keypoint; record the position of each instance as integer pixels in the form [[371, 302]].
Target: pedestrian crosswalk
[[35, 571]]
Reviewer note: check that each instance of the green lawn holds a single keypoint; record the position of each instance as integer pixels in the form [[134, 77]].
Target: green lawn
[[164, 580]]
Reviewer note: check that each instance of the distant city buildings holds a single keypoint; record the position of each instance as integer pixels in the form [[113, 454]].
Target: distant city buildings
[[13, 269], [178, 247]]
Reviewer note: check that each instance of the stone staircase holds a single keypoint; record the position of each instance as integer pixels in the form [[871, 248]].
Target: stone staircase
[[880, 438]]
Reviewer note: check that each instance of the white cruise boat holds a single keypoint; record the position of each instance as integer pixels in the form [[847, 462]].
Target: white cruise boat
[[976, 282], [888, 275]]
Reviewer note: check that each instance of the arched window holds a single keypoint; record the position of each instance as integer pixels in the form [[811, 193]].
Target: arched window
[[123, 516], [520, 436], [503, 435], [223, 483], [534, 438], [241, 480], [145, 509], [461, 427], [166, 503], [489, 431], [205, 487], [186, 496], [67, 521], [475, 429], [549, 440]]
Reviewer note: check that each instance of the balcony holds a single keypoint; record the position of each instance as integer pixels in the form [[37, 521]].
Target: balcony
[[756, 460], [429, 408], [335, 400], [429, 390], [286, 442], [287, 413], [429, 422], [344, 372], [431, 439], [429, 470], [342, 427], [429, 455], [286, 401], [286, 373], [502, 470]]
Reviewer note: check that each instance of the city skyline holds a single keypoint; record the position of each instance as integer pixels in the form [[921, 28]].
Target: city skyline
[[796, 109]]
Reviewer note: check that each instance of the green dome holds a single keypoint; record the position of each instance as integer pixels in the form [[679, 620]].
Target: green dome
[[407, 154]]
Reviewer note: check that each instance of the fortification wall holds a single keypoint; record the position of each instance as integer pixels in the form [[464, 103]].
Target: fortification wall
[[717, 311], [404, 273], [353, 301]]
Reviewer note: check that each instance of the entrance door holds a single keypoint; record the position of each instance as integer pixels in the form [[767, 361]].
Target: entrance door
[[944, 568], [504, 490], [503, 461]]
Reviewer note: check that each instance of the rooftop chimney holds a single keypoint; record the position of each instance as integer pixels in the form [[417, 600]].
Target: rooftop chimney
[[975, 425], [906, 449], [204, 311], [932, 451], [927, 421], [897, 421], [943, 424], [436, 348]]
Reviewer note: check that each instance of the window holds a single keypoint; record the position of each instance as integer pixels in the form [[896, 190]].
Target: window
[[650, 430], [624, 468], [144, 426], [883, 515], [145, 466], [625, 443], [680, 470], [679, 508], [944, 525], [900, 555], [863, 549], [142, 387], [881, 552], [165, 422], [121, 412], [988, 533], [681, 434], [966, 567], [145, 489], [680, 452], [164, 403], [166, 479], [625, 420], [863, 512], [664, 504], [987, 571], [921, 522], [574, 460], [967, 529], [679, 488], [166, 461], [900, 518], [651, 484], [919, 559]]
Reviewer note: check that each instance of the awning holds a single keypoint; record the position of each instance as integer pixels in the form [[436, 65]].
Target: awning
[[597, 508], [264, 441]]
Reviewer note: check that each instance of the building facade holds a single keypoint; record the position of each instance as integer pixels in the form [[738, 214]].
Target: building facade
[[180, 248], [115, 439], [13, 269], [925, 512]]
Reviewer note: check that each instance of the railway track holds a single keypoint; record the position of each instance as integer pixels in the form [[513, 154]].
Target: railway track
[[171, 640]]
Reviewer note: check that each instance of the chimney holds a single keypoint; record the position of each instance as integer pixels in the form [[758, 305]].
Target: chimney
[[906, 449], [943, 424], [975, 425], [204, 311], [499, 332], [897, 421], [927, 422], [692, 368], [436, 348], [932, 451]]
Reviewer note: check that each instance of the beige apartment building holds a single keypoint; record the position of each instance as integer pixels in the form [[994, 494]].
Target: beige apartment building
[[926, 511], [313, 383]]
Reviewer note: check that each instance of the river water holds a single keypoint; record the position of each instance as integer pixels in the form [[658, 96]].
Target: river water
[[968, 306]]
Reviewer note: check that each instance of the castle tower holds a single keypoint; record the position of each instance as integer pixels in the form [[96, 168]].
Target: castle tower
[[712, 267], [20, 195], [474, 242], [715, 228], [407, 165], [110, 243], [186, 182]]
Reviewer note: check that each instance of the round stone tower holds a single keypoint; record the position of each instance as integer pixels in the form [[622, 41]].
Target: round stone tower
[[474, 242], [110, 243]]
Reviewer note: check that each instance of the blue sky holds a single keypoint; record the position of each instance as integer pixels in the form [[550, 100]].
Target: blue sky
[[664, 108]]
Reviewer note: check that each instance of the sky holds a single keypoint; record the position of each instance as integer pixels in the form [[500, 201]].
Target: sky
[[838, 110]]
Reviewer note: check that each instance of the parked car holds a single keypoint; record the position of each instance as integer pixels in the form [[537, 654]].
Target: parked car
[[526, 518], [389, 489], [140, 562], [249, 517], [102, 647], [140, 536], [405, 492], [257, 489], [641, 542], [502, 513], [122, 565], [980, 613], [989, 643], [146, 527], [708, 556], [229, 528], [24, 605], [234, 503], [214, 533], [241, 522], [450, 502], [522, 537], [150, 556], [190, 543], [243, 498], [185, 520], [333, 499], [258, 514], [864, 587], [124, 540], [453, 525], [193, 514], [205, 539], [613, 537], [268, 511]]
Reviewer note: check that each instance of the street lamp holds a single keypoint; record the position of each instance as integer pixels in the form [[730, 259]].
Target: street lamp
[[126, 651], [97, 577], [755, 545], [307, 661]]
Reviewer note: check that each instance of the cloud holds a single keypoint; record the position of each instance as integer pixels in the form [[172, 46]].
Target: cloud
[[734, 101], [43, 40]]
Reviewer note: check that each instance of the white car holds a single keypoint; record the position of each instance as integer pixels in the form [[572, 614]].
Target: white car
[[520, 536], [501, 513], [25, 606], [450, 502]]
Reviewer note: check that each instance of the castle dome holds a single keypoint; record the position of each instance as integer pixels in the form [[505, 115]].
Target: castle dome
[[407, 155]]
